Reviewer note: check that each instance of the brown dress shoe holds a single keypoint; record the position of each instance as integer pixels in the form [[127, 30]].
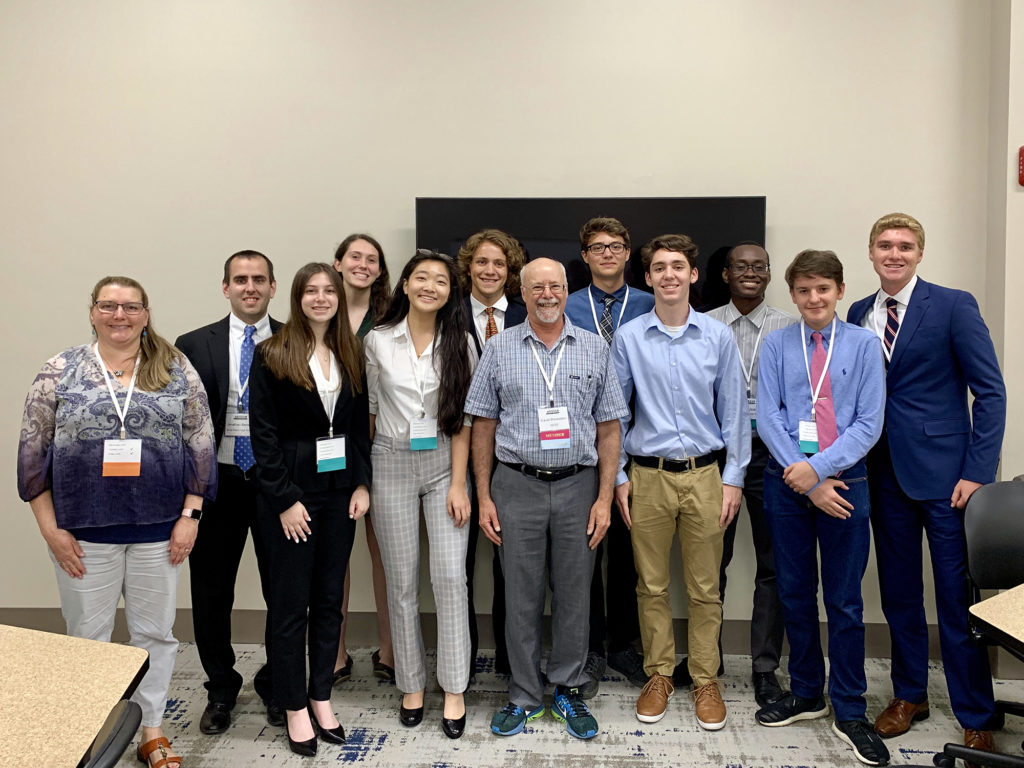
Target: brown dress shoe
[[896, 719], [978, 740]]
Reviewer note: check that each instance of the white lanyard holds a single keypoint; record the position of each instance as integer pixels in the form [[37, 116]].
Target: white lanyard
[[815, 390], [327, 393], [110, 387], [749, 371], [593, 311], [550, 382], [411, 349]]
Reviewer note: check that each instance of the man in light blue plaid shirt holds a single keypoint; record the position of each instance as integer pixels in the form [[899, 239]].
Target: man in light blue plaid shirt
[[547, 403]]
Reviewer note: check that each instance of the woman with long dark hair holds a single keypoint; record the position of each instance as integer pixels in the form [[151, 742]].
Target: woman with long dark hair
[[310, 437], [418, 367], [364, 272]]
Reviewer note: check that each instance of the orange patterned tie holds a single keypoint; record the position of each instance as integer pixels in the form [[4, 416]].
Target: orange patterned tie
[[492, 327]]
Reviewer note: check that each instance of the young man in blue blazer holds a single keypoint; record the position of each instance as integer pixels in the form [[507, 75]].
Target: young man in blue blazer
[[934, 453]]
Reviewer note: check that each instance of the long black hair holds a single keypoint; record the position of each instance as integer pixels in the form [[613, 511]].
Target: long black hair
[[451, 362]]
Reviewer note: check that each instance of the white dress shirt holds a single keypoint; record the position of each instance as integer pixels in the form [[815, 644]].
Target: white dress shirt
[[876, 319], [401, 384], [480, 315], [236, 335]]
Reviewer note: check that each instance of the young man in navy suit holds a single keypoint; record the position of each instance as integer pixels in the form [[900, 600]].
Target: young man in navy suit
[[489, 264], [216, 352], [933, 454]]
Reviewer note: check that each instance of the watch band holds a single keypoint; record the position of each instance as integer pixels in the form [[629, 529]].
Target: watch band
[[195, 514]]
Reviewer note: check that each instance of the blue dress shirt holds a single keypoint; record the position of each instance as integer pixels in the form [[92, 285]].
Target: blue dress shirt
[[690, 395], [857, 375], [577, 306]]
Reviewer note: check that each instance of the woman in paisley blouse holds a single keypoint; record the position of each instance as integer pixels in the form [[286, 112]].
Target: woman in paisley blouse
[[115, 458]]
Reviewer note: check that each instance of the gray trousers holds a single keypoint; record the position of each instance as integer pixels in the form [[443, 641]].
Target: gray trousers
[[402, 479], [533, 515], [144, 575]]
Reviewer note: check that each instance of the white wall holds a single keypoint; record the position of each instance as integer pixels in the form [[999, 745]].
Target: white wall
[[155, 139]]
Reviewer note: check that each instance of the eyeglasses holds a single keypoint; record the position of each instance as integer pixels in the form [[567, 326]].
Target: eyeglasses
[[556, 288], [597, 249], [129, 307], [758, 269]]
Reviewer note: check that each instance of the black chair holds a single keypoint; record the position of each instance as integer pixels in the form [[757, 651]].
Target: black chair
[[994, 523], [114, 737]]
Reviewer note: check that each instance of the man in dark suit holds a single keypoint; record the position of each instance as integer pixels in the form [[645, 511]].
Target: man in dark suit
[[934, 453], [219, 352], [489, 265]]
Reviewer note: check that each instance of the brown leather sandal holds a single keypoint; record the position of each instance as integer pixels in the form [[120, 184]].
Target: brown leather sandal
[[144, 752]]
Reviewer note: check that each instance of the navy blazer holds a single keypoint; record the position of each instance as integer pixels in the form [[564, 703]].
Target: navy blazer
[[208, 349], [515, 313], [942, 350], [285, 421]]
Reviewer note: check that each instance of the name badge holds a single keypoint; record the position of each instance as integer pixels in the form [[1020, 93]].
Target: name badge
[[122, 458], [554, 428], [330, 453], [808, 437], [237, 425], [423, 434], [752, 409]]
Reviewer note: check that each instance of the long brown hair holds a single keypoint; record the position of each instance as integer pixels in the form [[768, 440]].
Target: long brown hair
[[157, 355], [380, 289], [287, 352]]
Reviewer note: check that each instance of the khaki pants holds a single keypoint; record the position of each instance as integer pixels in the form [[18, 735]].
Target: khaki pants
[[688, 504]]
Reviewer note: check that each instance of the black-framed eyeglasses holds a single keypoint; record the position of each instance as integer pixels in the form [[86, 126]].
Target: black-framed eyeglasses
[[129, 307], [596, 249], [758, 269]]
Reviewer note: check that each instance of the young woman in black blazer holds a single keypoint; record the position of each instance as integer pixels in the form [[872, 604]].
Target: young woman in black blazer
[[310, 437]]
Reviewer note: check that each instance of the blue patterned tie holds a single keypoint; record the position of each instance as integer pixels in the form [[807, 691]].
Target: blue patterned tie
[[605, 323], [243, 445]]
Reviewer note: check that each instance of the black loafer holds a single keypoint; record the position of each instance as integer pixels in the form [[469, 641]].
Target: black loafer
[[453, 729], [410, 717], [766, 689], [330, 735], [216, 718], [275, 715]]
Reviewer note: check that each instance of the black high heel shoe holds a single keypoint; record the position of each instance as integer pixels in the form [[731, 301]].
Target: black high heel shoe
[[330, 735], [410, 717], [305, 748], [454, 728]]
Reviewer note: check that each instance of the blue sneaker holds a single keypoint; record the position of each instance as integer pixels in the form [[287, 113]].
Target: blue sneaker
[[510, 719], [570, 709]]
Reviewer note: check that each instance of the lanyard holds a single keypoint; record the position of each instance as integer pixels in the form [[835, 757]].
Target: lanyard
[[327, 393], [110, 387], [549, 381], [593, 311], [420, 383], [749, 371], [815, 390]]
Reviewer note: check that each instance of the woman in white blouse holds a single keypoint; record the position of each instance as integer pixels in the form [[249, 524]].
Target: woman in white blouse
[[418, 368]]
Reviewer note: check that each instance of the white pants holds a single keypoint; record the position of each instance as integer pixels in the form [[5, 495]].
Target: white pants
[[144, 575]]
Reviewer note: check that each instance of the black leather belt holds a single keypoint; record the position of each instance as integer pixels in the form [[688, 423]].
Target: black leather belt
[[674, 465], [547, 475]]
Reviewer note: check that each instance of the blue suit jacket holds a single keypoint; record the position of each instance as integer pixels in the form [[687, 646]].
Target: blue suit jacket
[[943, 349]]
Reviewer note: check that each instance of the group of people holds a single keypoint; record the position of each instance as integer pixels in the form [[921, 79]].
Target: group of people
[[482, 396]]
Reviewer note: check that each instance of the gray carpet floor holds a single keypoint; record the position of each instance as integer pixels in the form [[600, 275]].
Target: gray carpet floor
[[368, 710]]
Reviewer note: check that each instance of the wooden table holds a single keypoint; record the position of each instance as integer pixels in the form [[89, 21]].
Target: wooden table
[[1002, 618], [57, 691]]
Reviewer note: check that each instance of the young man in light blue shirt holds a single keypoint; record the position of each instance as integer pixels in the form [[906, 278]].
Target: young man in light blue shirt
[[821, 398], [685, 371]]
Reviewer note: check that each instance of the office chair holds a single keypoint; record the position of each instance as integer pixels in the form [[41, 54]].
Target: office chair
[[114, 737], [994, 524]]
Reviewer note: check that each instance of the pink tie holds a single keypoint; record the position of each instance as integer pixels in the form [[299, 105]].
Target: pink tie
[[824, 412]]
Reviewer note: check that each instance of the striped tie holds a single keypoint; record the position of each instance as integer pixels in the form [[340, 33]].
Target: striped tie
[[605, 323], [892, 326]]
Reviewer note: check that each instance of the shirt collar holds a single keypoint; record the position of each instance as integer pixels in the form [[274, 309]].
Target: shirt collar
[[694, 319], [755, 316], [826, 332], [401, 331], [568, 330], [237, 326], [599, 295], [902, 297], [479, 307]]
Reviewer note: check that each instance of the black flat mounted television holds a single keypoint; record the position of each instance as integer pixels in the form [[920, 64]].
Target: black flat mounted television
[[549, 226]]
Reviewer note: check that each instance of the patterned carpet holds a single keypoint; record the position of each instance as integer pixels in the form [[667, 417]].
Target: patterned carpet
[[368, 710]]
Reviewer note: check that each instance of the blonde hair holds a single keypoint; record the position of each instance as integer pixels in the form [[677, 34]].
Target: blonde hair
[[158, 356], [897, 221]]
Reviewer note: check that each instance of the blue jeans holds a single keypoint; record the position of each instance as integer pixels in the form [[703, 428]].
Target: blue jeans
[[798, 530]]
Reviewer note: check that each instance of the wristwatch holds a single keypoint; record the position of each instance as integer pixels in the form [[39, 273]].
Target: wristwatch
[[195, 514]]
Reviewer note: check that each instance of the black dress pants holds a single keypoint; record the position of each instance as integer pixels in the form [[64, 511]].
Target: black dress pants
[[213, 570], [618, 618], [307, 588]]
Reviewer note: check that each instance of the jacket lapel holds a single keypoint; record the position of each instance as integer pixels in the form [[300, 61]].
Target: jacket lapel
[[920, 302]]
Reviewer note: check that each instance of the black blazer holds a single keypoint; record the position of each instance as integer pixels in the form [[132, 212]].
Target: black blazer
[[515, 314], [208, 349], [284, 422]]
